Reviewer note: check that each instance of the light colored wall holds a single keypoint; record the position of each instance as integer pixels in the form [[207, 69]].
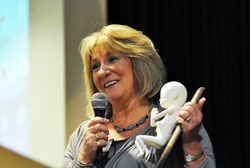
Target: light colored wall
[[47, 81], [81, 18], [56, 95]]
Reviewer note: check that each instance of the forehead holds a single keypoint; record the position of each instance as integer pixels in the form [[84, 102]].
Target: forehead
[[97, 52]]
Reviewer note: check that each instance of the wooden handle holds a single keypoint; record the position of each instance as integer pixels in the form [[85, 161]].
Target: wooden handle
[[197, 95], [178, 130]]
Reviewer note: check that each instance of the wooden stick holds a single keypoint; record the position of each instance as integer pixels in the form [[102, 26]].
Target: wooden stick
[[177, 131]]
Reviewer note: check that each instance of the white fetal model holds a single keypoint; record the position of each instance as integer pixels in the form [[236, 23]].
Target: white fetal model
[[173, 96]]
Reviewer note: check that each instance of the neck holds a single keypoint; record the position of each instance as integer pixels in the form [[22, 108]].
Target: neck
[[126, 114]]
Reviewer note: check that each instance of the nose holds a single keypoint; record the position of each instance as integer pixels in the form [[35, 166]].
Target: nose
[[104, 71]]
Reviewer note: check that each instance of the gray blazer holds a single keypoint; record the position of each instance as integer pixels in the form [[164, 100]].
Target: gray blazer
[[128, 156]]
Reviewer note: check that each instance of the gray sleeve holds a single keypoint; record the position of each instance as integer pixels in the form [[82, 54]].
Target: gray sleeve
[[73, 148], [209, 161]]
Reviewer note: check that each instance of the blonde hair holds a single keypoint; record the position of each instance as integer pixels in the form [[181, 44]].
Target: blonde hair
[[148, 69]]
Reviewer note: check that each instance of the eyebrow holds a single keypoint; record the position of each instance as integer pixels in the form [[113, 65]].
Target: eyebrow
[[107, 54]]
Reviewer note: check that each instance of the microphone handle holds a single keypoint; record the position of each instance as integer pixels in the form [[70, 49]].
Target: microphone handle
[[99, 112], [100, 154]]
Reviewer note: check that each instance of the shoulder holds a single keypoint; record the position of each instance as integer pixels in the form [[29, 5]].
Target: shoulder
[[78, 133], [73, 146], [75, 139]]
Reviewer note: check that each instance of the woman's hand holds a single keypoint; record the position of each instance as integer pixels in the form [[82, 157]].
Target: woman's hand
[[190, 117], [95, 135]]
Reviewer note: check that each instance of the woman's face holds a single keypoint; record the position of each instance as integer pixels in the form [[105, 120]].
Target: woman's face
[[112, 75]]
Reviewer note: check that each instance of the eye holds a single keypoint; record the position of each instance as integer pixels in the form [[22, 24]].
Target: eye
[[95, 66], [112, 59]]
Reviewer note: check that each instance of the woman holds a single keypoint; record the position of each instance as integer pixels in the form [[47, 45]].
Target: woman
[[122, 63]]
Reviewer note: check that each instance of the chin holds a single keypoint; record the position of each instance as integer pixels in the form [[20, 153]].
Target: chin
[[114, 97]]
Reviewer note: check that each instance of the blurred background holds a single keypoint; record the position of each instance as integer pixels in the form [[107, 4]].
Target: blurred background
[[202, 42], [41, 91]]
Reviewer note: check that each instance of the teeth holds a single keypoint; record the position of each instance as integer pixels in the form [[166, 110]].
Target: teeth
[[110, 83]]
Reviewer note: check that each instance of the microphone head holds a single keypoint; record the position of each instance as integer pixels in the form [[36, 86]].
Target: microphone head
[[99, 101]]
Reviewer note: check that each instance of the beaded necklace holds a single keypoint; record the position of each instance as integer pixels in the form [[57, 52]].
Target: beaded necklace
[[131, 126]]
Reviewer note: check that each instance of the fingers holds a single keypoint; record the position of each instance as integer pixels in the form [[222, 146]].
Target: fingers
[[191, 112], [97, 124], [190, 118], [96, 120], [201, 102], [185, 114], [95, 136], [101, 143], [95, 140], [101, 136], [96, 131]]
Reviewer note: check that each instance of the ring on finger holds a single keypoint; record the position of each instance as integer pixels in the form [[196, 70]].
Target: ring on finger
[[189, 118], [99, 144], [97, 137]]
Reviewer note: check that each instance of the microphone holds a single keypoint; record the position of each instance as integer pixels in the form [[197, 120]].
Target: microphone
[[99, 102]]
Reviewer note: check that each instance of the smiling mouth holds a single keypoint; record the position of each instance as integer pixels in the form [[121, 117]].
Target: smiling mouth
[[110, 83]]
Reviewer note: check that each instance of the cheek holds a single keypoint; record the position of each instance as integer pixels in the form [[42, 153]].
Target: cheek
[[130, 74], [95, 81], [130, 79]]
